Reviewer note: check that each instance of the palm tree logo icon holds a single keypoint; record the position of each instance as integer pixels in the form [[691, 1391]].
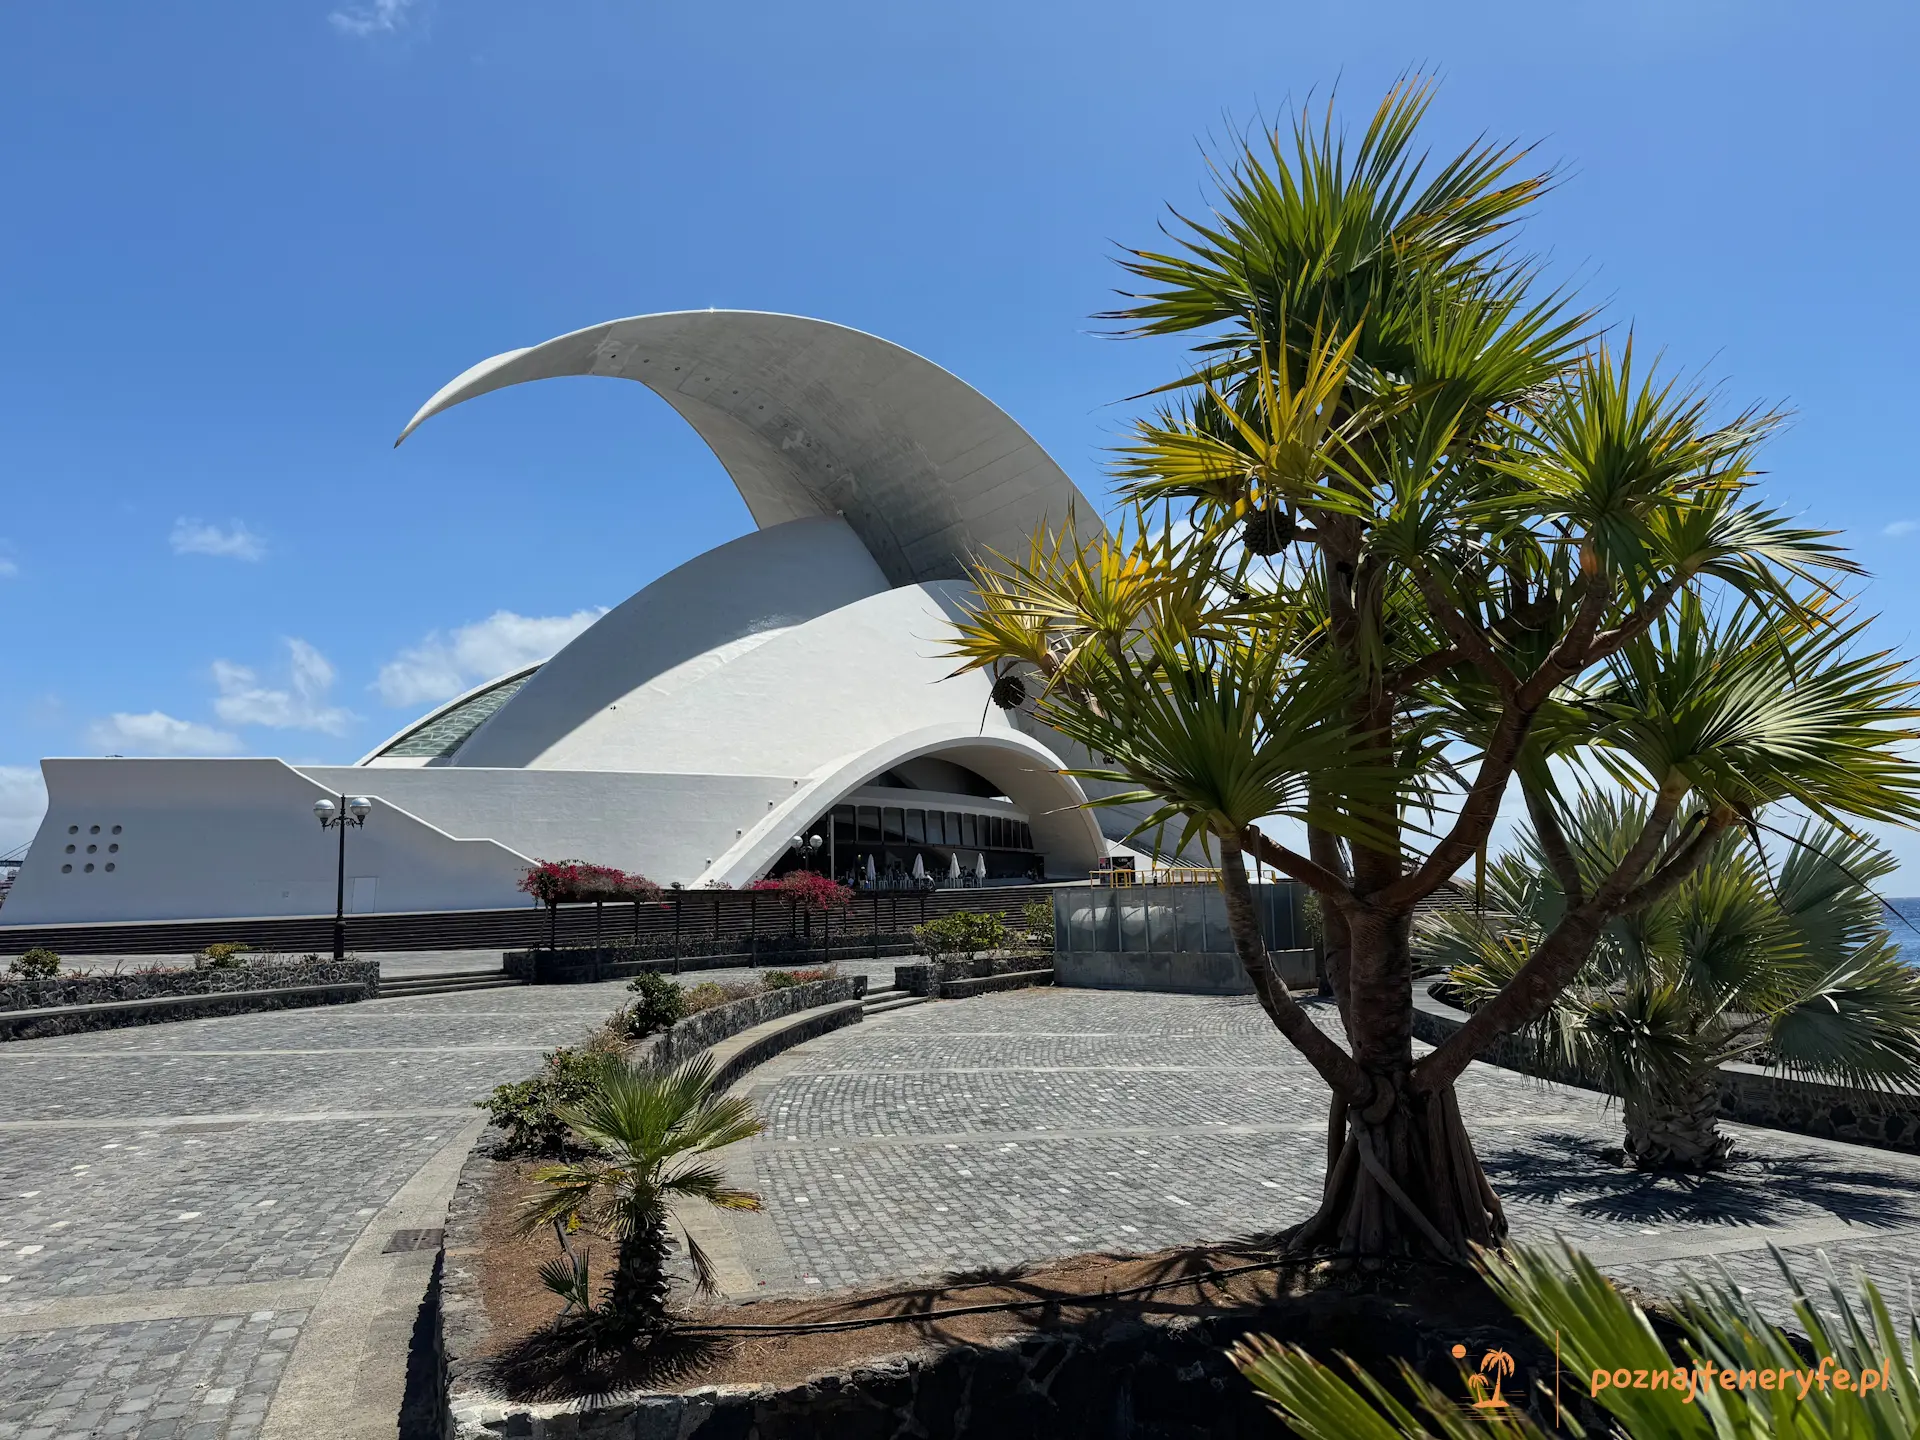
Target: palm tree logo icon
[[1497, 1363]]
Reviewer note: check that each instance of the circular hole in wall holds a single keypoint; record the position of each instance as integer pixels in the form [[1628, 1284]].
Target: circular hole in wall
[[92, 848], [116, 829], [69, 849], [113, 849], [73, 829], [89, 869], [94, 831], [109, 867], [66, 869]]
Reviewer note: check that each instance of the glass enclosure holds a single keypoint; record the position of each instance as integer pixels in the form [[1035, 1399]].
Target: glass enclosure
[[1146, 919]]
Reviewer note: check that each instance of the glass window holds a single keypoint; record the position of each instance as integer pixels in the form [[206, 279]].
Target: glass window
[[895, 824], [916, 827], [1026, 836], [999, 841], [869, 825], [843, 826], [953, 828], [936, 831], [969, 830]]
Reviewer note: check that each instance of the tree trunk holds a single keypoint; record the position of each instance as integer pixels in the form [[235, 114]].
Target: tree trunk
[[1677, 1128], [1402, 1180], [1402, 1177], [637, 1293]]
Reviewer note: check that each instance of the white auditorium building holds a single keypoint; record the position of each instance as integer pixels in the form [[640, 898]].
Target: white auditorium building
[[789, 682]]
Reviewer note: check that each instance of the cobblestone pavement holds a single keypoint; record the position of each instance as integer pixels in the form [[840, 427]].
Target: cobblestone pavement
[[1040, 1123], [174, 1197]]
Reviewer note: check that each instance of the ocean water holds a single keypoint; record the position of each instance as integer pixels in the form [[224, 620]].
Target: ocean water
[[1906, 929]]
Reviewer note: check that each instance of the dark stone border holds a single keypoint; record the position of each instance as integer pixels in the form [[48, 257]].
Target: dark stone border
[[585, 965], [104, 1002], [951, 979], [1749, 1094]]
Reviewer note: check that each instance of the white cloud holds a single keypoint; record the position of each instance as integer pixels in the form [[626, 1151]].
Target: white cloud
[[7, 568], [155, 733], [1901, 527], [23, 800], [379, 17], [243, 700], [441, 666], [193, 537]]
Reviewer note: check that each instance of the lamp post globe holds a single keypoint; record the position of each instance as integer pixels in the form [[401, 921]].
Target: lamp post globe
[[359, 807], [325, 810]]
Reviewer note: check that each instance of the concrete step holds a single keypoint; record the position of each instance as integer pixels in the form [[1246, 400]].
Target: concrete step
[[438, 976], [892, 992], [901, 1003], [443, 985]]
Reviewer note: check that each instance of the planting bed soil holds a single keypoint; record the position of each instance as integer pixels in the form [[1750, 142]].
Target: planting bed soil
[[1413, 1312]]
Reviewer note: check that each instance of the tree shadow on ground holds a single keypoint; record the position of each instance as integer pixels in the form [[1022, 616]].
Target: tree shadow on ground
[[1570, 1171], [577, 1358]]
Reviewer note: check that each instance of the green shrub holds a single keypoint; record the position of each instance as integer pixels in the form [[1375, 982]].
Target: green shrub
[[1037, 916], [526, 1109], [36, 964], [960, 937], [224, 956], [660, 1003]]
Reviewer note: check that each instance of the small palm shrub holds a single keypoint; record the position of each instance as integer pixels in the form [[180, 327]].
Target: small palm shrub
[[1711, 1389], [645, 1132], [529, 1110], [1746, 959], [658, 1005], [960, 937], [38, 963]]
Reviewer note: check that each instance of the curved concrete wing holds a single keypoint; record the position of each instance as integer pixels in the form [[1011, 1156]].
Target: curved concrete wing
[[812, 418]]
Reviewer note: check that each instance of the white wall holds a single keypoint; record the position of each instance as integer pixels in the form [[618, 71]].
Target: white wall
[[205, 838], [663, 826]]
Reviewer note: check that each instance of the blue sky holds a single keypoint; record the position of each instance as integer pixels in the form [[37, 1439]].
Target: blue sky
[[244, 240]]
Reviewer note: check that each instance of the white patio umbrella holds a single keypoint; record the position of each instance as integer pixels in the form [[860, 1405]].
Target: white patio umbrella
[[979, 865], [919, 868], [953, 867], [873, 873]]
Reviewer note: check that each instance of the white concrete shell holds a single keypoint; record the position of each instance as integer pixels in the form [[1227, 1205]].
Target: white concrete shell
[[811, 418], [690, 731]]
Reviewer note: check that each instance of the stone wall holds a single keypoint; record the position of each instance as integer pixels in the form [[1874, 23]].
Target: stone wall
[[1117, 1378], [128, 986], [1749, 1094], [707, 1028], [585, 964], [930, 977]]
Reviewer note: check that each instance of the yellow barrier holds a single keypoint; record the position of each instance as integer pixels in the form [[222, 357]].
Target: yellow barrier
[[1176, 875]]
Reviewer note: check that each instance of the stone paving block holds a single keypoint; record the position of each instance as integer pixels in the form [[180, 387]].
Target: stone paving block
[[39, 1381], [1016, 1128]]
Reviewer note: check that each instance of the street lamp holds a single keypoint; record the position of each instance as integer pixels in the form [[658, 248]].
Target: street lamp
[[339, 817], [806, 846]]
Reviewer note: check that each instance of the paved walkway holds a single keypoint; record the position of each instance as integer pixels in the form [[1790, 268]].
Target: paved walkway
[[195, 1218], [1043, 1123]]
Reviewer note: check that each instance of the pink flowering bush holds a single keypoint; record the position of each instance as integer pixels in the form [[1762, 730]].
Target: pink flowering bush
[[808, 891], [557, 882]]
